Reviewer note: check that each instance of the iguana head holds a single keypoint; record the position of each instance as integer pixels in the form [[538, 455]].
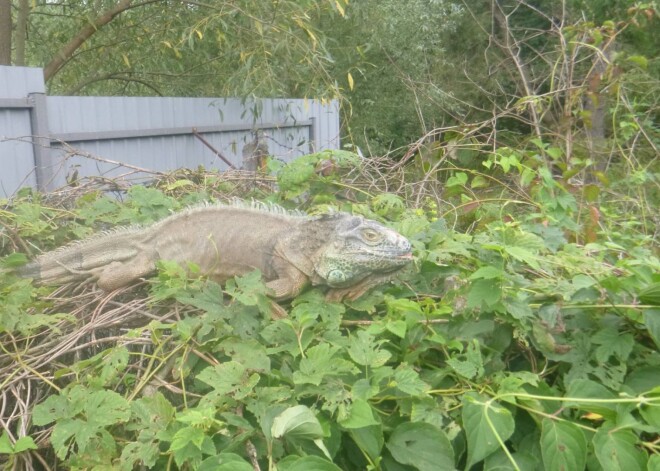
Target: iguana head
[[357, 248]]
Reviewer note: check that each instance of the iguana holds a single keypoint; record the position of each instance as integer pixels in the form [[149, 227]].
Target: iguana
[[348, 254]]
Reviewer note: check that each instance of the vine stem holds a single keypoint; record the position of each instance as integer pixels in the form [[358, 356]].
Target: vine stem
[[497, 435]]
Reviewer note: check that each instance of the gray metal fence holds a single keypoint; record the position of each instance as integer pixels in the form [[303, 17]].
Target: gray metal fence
[[45, 139]]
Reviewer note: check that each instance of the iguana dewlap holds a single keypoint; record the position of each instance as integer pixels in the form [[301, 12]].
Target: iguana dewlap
[[349, 254]]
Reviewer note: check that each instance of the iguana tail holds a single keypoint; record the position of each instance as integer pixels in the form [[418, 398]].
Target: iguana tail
[[82, 260]]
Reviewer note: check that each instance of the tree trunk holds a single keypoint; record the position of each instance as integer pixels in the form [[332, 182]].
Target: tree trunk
[[21, 31], [5, 32], [596, 107]]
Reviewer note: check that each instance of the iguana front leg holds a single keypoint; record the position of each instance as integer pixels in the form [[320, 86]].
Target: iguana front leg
[[289, 282], [353, 292]]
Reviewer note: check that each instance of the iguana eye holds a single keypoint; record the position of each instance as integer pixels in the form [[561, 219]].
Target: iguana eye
[[370, 235]]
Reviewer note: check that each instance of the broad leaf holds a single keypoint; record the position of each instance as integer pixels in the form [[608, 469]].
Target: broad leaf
[[297, 421], [563, 446], [652, 322], [307, 463], [369, 439], [486, 424], [421, 445], [225, 462], [484, 294], [616, 450], [360, 415]]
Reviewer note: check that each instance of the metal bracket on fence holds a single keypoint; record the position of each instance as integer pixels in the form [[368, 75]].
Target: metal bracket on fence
[[213, 149]]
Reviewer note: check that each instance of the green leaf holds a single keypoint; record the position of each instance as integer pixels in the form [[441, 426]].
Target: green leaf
[[225, 462], [53, 408], [360, 414], [307, 463], [104, 408], [563, 446], [408, 381], [479, 181], [587, 389], [248, 352], [523, 255], [114, 362], [487, 273], [297, 421], [187, 435], [616, 450], [484, 293], [369, 439], [398, 328], [611, 342], [64, 430], [654, 463], [650, 294], [652, 322], [230, 378], [5, 444], [13, 260], [591, 193], [640, 61], [249, 290], [651, 413], [319, 363], [364, 350], [139, 453], [472, 365], [459, 179], [499, 461], [24, 443], [421, 445], [484, 422]]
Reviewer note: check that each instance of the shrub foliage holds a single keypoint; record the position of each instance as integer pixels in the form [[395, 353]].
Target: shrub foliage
[[525, 335]]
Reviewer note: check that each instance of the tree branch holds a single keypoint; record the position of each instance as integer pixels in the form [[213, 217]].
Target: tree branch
[[5, 32], [67, 51]]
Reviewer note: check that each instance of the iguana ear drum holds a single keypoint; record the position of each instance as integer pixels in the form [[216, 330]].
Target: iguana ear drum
[[353, 222]]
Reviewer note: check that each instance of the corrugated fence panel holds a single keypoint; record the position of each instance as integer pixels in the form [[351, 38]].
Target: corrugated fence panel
[[18, 82], [113, 136], [16, 152]]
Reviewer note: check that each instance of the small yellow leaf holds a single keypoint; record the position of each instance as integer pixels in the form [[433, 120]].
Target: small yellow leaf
[[199, 34], [126, 61], [350, 81], [167, 43], [340, 8], [592, 416], [311, 35]]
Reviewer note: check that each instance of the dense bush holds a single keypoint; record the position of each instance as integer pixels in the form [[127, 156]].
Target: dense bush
[[525, 336]]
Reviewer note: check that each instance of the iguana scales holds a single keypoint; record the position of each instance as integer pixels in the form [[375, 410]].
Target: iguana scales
[[349, 254]]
